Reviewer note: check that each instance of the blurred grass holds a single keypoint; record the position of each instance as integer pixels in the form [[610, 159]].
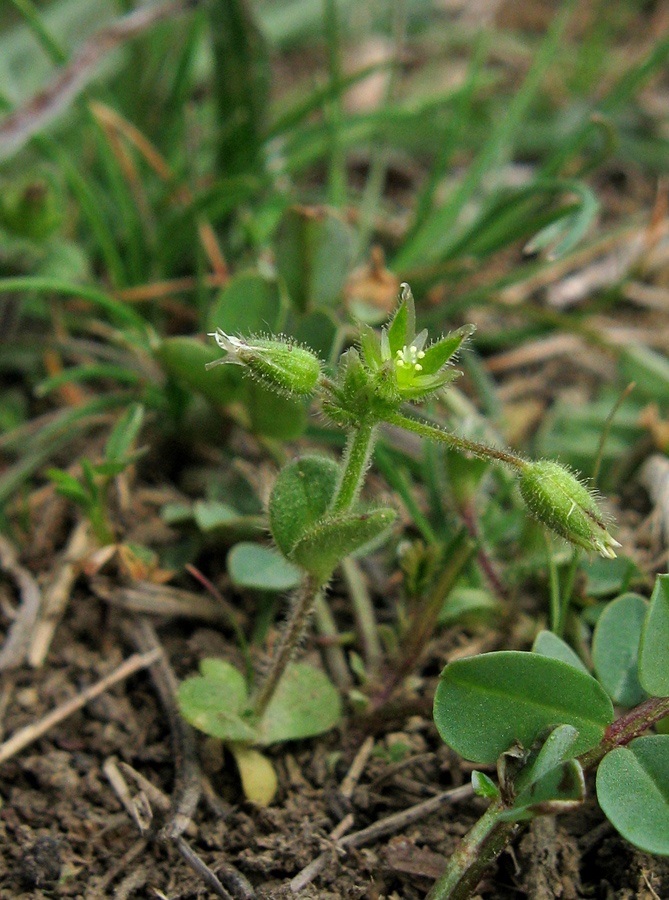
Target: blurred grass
[[488, 153]]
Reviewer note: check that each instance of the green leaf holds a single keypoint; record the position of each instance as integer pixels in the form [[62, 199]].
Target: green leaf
[[484, 786], [214, 701], [211, 514], [248, 304], [468, 604], [486, 703], [68, 486], [275, 416], [241, 84], [261, 568], [654, 646], [609, 577], [325, 545], [558, 790], [633, 791], [615, 649], [551, 781], [314, 251], [124, 433], [305, 703], [548, 644], [648, 369], [186, 359], [403, 325], [300, 497]]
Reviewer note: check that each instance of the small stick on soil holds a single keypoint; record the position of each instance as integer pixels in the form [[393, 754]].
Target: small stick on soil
[[98, 890], [18, 638], [25, 736], [186, 795], [57, 594], [201, 868], [357, 768], [378, 830], [316, 866]]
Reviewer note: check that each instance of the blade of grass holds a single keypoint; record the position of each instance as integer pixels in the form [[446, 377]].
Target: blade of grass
[[117, 312], [437, 236]]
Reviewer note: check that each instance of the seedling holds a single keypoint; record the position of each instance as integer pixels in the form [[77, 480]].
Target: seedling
[[90, 492], [316, 518], [545, 720]]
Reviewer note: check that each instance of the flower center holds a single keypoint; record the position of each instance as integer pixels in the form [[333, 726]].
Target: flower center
[[408, 357]]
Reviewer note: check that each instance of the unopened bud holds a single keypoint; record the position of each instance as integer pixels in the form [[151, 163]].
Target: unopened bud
[[278, 362], [558, 499]]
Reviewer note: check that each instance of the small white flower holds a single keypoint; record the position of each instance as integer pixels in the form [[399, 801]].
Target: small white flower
[[232, 346]]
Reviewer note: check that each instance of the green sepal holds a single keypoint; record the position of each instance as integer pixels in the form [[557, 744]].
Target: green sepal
[[439, 353]]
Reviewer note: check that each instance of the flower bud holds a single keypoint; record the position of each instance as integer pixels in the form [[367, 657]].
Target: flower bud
[[558, 499], [277, 362]]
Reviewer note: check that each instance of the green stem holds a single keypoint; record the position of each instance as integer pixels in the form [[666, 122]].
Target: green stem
[[365, 620], [356, 460], [457, 555], [303, 604], [455, 442], [477, 850], [567, 592], [554, 584]]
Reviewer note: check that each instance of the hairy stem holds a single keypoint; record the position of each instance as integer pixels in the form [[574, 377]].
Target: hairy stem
[[462, 445], [302, 606], [356, 459]]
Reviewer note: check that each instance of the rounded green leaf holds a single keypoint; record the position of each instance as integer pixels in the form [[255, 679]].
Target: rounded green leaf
[[305, 703], [185, 359], [548, 644], [213, 701], [325, 545], [654, 646], [273, 415], [633, 791], [261, 568], [615, 649], [300, 497], [485, 703], [249, 303]]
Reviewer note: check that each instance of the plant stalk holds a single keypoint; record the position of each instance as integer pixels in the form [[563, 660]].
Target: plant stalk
[[629, 726], [458, 553], [356, 460], [479, 848], [302, 607], [455, 442]]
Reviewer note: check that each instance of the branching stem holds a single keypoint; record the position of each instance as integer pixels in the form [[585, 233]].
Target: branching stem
[[455, 442]]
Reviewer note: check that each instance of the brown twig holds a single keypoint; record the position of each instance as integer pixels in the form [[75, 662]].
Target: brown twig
[[380, 829], [186, 794], [25, 736], [57, 594], [18, 127], [15, 648]]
